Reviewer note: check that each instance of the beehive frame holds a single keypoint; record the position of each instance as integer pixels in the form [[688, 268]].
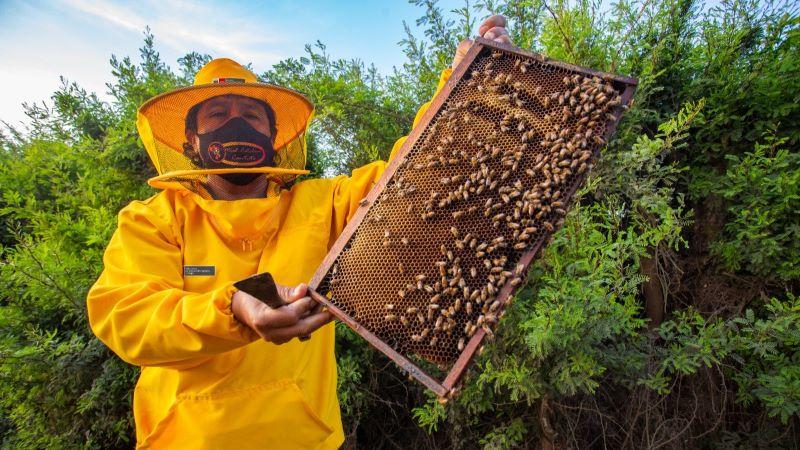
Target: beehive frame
[[419, 140]]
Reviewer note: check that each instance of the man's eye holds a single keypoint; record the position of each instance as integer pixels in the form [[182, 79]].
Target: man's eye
[[251, 116], [217, 114]]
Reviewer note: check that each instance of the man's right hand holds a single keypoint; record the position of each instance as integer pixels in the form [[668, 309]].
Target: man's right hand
[[280, 325]]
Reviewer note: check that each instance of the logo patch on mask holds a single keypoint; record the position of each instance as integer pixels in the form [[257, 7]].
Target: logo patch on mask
[[237, 153], [216, 152]]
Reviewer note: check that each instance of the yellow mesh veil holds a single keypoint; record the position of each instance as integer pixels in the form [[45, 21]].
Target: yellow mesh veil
[[161, 125]]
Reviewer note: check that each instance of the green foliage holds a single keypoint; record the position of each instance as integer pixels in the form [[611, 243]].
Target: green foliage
[[701, 177], [763, 192], [505, 436], [768, 352], [430, 414], [691, 343]]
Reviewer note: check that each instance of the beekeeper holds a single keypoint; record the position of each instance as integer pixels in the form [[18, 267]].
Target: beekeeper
[[220, 369]]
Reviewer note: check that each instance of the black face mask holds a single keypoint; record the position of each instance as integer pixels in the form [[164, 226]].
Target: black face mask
[[236, 144]]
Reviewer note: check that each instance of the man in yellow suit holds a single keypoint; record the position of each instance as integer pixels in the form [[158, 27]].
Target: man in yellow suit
[[220, 369]]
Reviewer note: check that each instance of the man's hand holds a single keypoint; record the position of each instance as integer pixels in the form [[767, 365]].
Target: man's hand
[[493, 28], [280, 325]]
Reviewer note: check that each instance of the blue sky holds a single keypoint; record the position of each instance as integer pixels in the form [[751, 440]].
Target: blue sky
[[41, 40]]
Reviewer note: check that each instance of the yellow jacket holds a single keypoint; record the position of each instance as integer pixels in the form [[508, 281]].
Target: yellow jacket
[[206, 380]]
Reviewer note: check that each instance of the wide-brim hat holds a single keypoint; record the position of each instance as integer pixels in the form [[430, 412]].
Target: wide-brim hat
[[161, 124]]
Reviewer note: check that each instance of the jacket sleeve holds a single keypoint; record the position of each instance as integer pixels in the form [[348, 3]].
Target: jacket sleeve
[[350, 190], [138, 307]]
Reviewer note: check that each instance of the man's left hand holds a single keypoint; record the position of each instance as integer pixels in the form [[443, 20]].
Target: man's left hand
[[493, 28]]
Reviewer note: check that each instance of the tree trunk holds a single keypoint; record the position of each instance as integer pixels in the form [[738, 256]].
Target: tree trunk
[[653, 291]]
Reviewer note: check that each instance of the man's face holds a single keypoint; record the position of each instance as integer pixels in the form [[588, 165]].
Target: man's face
[[216, 111]]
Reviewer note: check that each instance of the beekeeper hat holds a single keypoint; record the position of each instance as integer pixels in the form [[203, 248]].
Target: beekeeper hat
[[161, 124]]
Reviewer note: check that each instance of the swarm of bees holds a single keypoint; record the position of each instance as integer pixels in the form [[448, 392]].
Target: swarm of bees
[[490, 177]]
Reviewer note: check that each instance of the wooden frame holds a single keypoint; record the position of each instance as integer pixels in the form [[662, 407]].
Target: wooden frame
[[447, 387]]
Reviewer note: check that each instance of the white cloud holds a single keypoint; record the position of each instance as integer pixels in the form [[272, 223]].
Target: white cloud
[[183, 26], [112, 13]]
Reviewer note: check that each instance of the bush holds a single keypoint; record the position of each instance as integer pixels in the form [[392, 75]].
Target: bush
[[762, 189]]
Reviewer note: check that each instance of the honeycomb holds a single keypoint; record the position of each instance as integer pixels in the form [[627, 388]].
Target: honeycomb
[[487, 181]]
